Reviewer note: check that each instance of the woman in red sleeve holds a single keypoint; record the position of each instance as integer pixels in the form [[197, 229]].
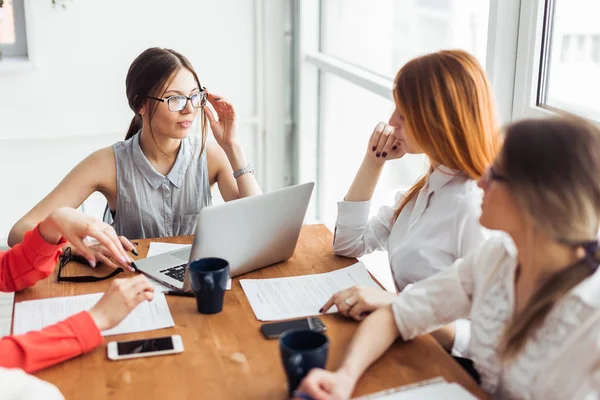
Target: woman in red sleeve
[[35, 258]]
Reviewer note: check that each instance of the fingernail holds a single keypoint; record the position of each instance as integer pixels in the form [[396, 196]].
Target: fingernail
[[320, 310], [91, 262], [378, 154], [135, 243], [374, 148], [394, 148], [384, 154], [135, 268], [135, 252]]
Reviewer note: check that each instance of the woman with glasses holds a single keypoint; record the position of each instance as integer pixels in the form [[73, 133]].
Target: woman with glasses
[[534, 301], [157, 179], [34, 259], [444, 109]]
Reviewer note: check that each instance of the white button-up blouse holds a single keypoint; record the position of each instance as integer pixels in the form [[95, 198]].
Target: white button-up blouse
[[434, 229]]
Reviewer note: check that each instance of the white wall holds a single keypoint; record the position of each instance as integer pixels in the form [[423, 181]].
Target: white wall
[[73, 100]]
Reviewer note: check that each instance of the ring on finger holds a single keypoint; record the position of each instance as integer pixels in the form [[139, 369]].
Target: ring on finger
[[349, 303]]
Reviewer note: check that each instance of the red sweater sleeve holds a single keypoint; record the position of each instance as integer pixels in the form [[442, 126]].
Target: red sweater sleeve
[[28, 262], [54, 344]]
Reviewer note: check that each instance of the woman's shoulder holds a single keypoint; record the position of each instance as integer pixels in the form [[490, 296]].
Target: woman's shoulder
[[498, 246], [100, 158], [121, 145], [463, 197]]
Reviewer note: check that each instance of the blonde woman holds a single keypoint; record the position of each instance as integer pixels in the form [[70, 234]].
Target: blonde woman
[[534, 301]]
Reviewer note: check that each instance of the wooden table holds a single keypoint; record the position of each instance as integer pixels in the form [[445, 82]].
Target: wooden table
[[225, 356]]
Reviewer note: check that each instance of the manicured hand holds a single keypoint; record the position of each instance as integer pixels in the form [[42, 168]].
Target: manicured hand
[[359, 301], [320, 384], [122, 296], [224, 126], [383, 146], [75, 226]]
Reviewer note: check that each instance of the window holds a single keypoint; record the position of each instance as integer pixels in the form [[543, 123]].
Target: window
[[357, 49], [570, 59], [382, 36], [13, 41]]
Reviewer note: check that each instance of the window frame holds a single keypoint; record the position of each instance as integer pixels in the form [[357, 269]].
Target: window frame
[[311, 63], [20, 49], [532, 64]]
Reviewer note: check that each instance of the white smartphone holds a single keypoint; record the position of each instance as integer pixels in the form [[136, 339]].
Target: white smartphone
[[145, 347]]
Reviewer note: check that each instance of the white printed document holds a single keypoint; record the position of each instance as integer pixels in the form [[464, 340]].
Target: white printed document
[[6, 312], [433, 389], [157, 248], [37, 314], [301, 296]]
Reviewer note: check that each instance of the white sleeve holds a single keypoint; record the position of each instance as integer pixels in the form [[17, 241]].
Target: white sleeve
[[356, 235], [17, 385], [436, 301], [470, 235]]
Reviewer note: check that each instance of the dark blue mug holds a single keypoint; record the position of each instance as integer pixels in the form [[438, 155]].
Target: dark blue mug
[[302, 350], [209, 277]]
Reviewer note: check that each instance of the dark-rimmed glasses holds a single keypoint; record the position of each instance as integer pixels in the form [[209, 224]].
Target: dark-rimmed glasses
[[179, 102], [64, 260]]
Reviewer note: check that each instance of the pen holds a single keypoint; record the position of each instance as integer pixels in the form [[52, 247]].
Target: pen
[[180, 293]]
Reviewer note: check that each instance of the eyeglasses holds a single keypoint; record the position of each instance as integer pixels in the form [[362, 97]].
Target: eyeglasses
[[491, 175], [64, 260], [179, 102]]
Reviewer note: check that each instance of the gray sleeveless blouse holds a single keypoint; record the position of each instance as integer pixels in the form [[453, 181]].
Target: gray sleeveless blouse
[[150, 204]]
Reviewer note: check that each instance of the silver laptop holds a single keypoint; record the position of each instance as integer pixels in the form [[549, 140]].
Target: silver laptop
[[249, 233]]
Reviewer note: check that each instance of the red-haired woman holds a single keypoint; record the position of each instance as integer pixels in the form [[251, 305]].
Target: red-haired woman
[[445, 110]]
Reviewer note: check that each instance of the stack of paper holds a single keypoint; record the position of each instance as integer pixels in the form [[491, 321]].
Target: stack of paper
[[434, 389], [6, 312], [37, 314], [301, 296]]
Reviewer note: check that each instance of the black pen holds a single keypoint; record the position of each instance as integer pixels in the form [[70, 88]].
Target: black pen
[[180, 293]]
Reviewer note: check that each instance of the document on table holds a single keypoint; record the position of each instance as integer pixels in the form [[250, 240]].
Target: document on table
[[6, 312], [157, 248], [301, 296], [37, 314], [433, 389]]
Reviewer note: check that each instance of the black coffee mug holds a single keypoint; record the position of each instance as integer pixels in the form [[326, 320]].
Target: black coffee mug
[[209, 277], [301, 350]]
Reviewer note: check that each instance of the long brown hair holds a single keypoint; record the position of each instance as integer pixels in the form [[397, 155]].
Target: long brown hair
[[149, 74], [551, 168], [450, 112]]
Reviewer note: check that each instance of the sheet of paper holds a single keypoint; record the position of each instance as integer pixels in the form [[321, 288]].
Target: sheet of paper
[[37, 314], [441, 390], [6, 312], [301, 296], [157, 248]]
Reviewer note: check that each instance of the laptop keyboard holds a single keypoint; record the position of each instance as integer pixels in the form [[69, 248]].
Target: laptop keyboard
[[177, 272]]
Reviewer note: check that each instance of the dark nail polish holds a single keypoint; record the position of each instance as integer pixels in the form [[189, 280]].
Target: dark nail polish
[[374, 148], [378, 154], [134, 266], [394, 148], [135, 243], [320, 310], [384, 154], [135, 252]]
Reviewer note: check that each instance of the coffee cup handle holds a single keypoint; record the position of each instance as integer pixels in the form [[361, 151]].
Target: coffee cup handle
[[296, 363], [209, 282]]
